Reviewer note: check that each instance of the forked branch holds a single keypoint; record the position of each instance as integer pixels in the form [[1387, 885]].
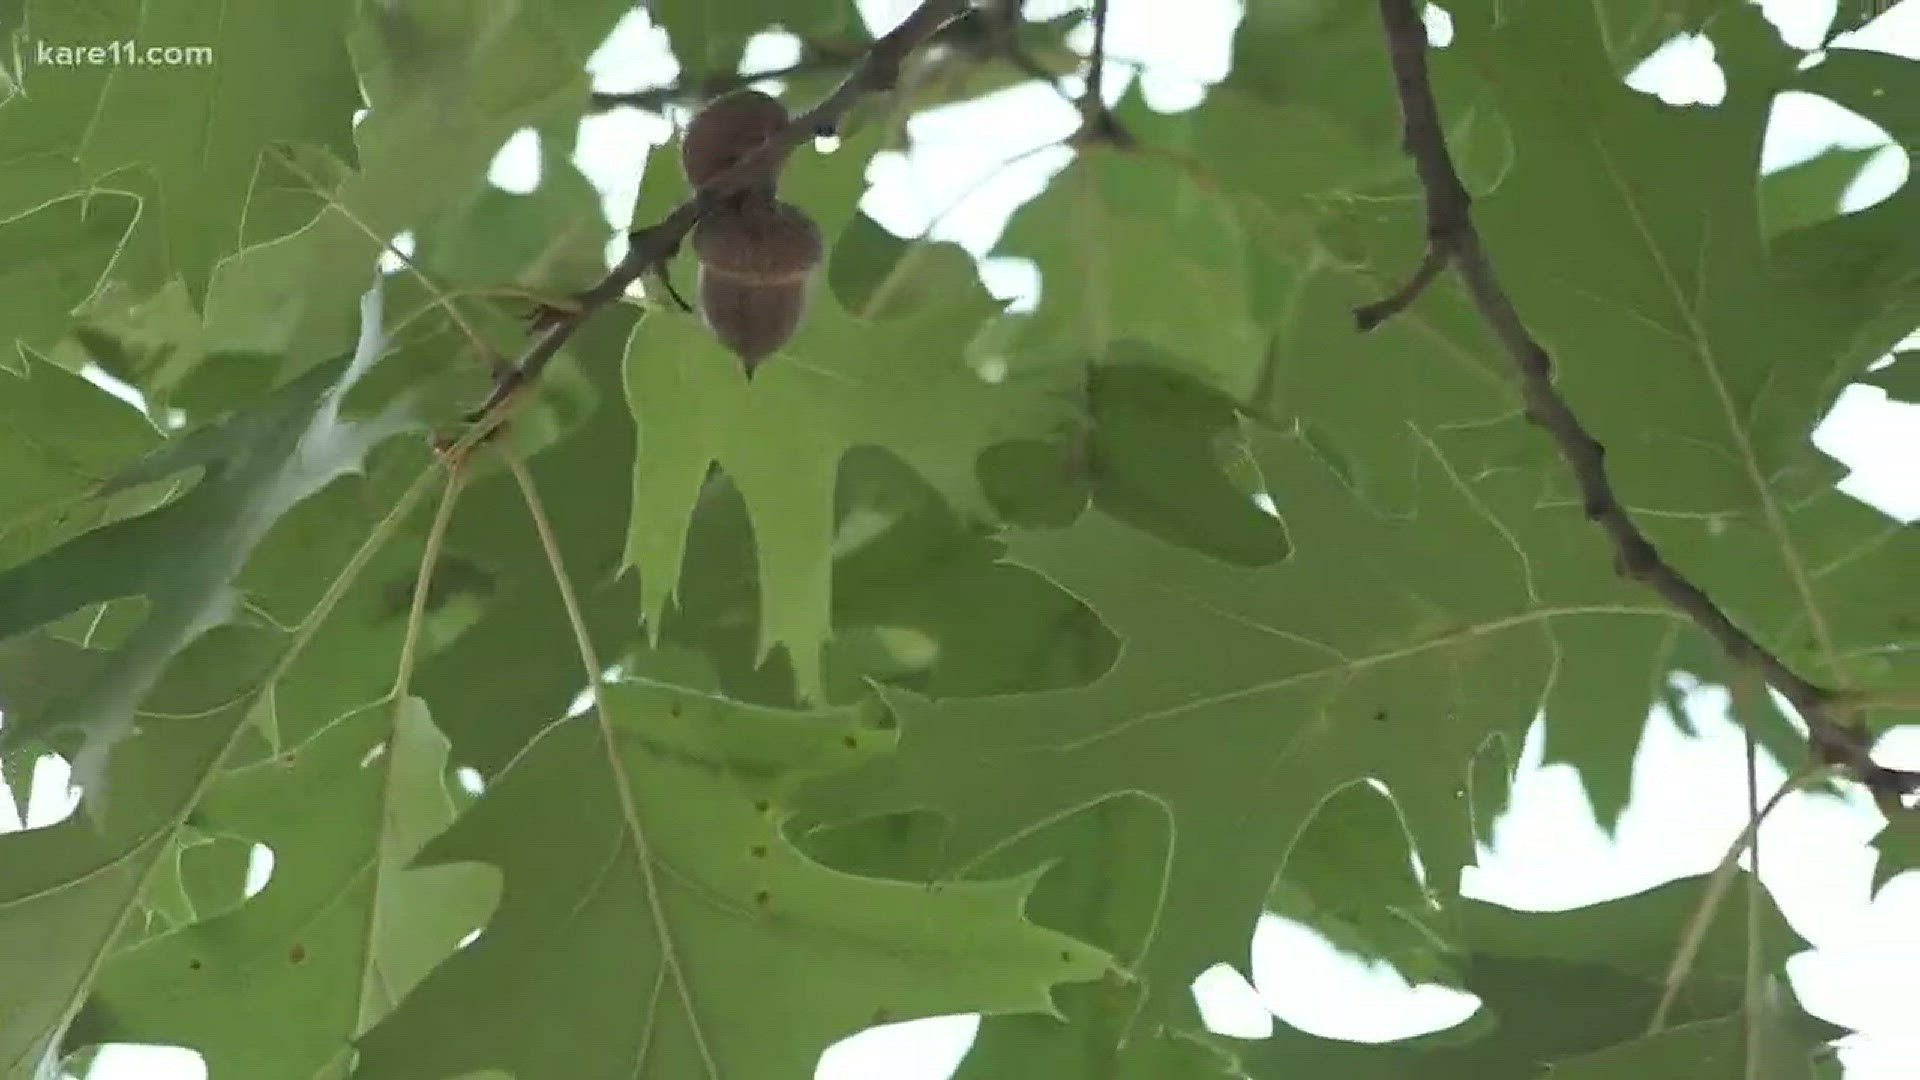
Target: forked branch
[[1452, 241]]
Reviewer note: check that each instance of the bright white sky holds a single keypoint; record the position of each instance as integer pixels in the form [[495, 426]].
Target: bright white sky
[[1690, 792]]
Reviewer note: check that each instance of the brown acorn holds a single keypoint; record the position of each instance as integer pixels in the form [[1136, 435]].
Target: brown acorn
[[756, 267], [728, 129]]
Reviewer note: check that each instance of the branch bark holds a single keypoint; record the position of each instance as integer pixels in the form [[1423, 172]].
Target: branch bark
[[1098, 123], [655, 98], [1453, 241]]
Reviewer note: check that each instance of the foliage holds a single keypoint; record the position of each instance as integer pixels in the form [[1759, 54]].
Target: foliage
[[964, 659]]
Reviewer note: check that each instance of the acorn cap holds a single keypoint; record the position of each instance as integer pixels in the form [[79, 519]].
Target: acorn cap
[[728, 129]]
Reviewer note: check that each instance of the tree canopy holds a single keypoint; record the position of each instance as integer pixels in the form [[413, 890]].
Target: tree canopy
[[612, 710]]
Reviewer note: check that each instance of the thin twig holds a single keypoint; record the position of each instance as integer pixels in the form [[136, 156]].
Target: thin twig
[[980, 33], [1097, 59], [657, 98], [999, 36], [403, 677], [1098, 122], [1453, 241], [1695, 933], [650, 248], [990, 31], [623, 785], [1755, 981], [423, 582]]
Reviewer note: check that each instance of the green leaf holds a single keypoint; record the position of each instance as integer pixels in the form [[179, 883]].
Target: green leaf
[[73, 893], [919, 600], [1900, 378], [16, 772], [1851, 15], [66, 892], [156, 345], [1898, 846], [1758, 1043], [1350, 876], [1809, 192], [61, 439], [1613, 670], [184, 556], [1103, 889], [1239, 687], [904, 385], [206, 876], [40, 291], [1318, 69], [877, 275], [709, 39], [280, 986], [521, 637], [1159, 449], [269, 74], [1555, 985], [992, 627], [1856, 274], [447, 82], [1182, 589], [550, 241], [1159, 259], [1366, 398], [1633, 29], [1701, 380], [617, 950]]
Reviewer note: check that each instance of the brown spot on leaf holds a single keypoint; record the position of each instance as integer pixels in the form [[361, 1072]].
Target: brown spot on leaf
[[297, 954]]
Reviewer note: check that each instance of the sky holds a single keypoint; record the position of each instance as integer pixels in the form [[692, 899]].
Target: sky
[[971, 165]]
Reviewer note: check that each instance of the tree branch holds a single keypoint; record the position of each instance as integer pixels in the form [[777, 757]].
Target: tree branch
[[649, 249], [1099, 123], [985, 31], [655, 98], [1452, 240]]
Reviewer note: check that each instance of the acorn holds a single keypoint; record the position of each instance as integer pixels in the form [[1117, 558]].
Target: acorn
[[728, 129]]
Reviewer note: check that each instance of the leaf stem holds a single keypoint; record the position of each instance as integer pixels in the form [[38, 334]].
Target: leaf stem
[[1754, 994], [423, 581], [1695, 933], [623, 786]]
